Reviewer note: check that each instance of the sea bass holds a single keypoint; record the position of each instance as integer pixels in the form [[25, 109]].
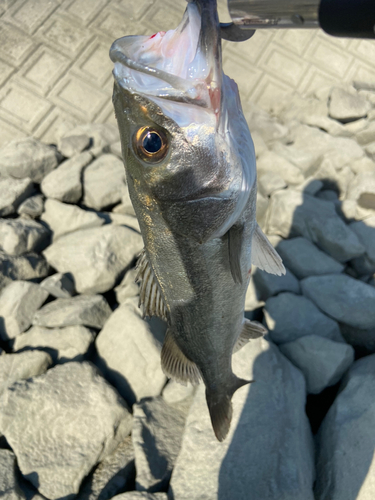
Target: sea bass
[[191, 173]]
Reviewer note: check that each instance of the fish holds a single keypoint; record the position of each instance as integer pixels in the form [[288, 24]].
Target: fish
[[191, 172]]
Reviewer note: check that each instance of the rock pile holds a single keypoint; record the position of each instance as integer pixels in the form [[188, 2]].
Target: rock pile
[[85, 409]]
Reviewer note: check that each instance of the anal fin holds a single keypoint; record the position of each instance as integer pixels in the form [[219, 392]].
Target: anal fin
[[250, 330], [176, 365], [264, 256], [235, 238]]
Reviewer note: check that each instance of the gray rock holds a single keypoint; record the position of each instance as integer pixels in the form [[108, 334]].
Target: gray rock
[[65, 183], [115, 473], [327, 195], [289, 317], [9, 486], [63, 218], [95, 257], [363, 265], [128, 287], [28, 158], [59, 285], [19, 236], [129, 354], [322, 361], [293, 213], [32, 206], [73, 144], [270, 182], [362, 339], [71, 343], [18, 303], [270, 162], [22, 366], [12, 193], [304, 259], [23, 267], [157, 434], [103, 182], [343, 298], [362, 190], [345, 442], [269, 428], [267, 285], [365, 230], [346, 106], [366, 135], [141, 495], [252, 300], [87, 310], [84, 421]]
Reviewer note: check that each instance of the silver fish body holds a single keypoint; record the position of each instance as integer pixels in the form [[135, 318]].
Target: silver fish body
[[195, 200]]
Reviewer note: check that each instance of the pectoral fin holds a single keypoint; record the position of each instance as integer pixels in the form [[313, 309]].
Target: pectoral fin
[[264, 256], [235, 240], [176, 365], [250, 330]]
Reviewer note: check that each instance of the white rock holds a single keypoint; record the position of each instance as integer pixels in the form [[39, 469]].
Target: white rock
[[289, 317], [33, 206], [293, 213], [322, 361], [270, 182], [71, 343], [261, 209], [63, 218], [370, 150], [362, 190], [119, 219], [271, 162], [128, 287], [345, 442], [129, 354], [268, 127], [269, 428], [115, 149], [343, 298], [366, 135], [18, 236], [362, 165], [12, 193], [310, 186], [103, 182], [73, 144], [23, 365], [174, 392], [101, 135], [9, 487], [23, 267], [27, 158], [95, 257], [64, 183], [268, 285], [18, 303], [252, 298], [59, 285], [84, 421], [87, 310], [140, 495], [259, 145], [346, 106], [126, 206], [304, 259]]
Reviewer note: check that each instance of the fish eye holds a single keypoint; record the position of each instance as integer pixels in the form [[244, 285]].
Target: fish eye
[[151, 145]]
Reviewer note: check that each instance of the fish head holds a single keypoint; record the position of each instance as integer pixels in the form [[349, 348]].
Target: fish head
[[186, 144]]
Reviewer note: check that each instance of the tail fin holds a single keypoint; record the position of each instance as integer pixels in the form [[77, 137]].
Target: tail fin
[[220, 407]]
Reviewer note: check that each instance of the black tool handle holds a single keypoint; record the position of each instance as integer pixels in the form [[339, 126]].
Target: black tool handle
[[348, 18]]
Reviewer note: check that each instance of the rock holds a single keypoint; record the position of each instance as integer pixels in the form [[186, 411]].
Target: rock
[[304, 259], [59, 285], [140, 495], [362, 339], [73, 144], [346, 106], [174, 392], [23, 267], [129, 354], [71, 343], [249, 456], [273, 163], [343, 298], [87, 310], [12, 193], [126, 203], [267, 285], [19, 236], [21, 366], [103, 182], [370, 150], [63, 218], [123, 220], [252, 300], [362, 190], [101, 135], [157, 434], [259, 145], [270, 182], [18, 303], [345, 441], [327, 195], [310, 186], [261, 209], [292, 213], [365, 230], [27, 158], [322, 361], [367, 135], [32, 206], [115, 473], [9, 487], [84, 421], [128, 287], [95, 257], [115, 149], [289, 317], [65, 183], [268, 127]]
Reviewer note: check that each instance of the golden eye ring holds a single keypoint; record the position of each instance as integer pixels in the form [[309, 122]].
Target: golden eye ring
[[150, 145]]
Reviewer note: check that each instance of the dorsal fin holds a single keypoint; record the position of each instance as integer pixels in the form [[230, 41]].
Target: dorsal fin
[[176, 365], [150, 296], [250, 330], [264, 256]]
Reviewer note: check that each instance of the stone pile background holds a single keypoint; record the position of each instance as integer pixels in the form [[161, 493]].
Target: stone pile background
[[86, 412]]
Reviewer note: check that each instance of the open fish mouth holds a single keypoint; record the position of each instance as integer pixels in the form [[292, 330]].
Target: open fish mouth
[[182, 65]]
